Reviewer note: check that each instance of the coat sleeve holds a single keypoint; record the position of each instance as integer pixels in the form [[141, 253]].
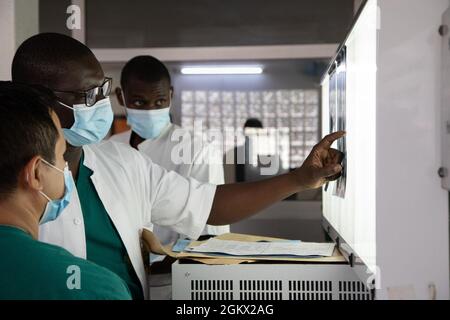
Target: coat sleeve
[[179, 203]]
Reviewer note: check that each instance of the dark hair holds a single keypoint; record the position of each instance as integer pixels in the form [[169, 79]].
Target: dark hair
[[27, 130], [253, 123], [144, 68], [44, 57]]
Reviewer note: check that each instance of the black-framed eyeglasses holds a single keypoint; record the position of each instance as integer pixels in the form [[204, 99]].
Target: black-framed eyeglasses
[[91, 95]]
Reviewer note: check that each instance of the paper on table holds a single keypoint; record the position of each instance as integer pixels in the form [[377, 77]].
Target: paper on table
[[182, 244], [241, 248], [151, 241]]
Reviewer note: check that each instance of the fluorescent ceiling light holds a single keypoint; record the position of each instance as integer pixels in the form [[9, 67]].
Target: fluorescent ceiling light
[[223, 70]]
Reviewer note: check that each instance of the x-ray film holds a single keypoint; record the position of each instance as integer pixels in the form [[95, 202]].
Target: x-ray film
[[333, 101], [338, 85]]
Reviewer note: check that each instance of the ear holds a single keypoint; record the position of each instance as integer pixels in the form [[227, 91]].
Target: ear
[[31, 175], [119, 96], [171, 93]]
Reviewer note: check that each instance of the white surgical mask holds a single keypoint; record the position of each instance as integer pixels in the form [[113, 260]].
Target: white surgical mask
[[148, 124], [54, 208], [91, 123]]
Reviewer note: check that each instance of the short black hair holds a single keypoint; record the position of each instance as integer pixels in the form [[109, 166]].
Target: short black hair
[[44, 57], [144, 68], [27, 130], [253, 123]]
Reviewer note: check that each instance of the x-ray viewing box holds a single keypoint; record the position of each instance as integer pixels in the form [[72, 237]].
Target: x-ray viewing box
[[392, 222], [382, 219]]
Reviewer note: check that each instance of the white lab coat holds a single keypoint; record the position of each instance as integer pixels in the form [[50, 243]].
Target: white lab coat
[[206, 165], [135, 192]]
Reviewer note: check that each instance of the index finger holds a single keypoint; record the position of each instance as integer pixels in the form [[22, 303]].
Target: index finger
[[330, 139]]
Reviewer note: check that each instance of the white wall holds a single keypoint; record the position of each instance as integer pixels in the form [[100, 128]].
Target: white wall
[[412, 208], [7, 38], [27, 19], [19, 19]]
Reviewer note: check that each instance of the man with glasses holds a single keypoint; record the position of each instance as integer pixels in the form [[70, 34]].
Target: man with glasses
[[90, 96], [118, 190], [91, 117]]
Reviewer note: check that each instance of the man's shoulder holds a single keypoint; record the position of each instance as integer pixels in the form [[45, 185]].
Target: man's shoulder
[[88, 280], [58, 274], [112, 151], [57, 258], [97, 282]]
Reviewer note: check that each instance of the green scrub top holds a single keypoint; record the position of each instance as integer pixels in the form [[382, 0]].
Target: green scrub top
[[33, 270], [103, 243]]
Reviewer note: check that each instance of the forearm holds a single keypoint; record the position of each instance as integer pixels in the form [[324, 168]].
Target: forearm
[[235, 202]]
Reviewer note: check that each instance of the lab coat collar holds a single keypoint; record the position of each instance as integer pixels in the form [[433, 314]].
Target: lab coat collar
[[89, 160]]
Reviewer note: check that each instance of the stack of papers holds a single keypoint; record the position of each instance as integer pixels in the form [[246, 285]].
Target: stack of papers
[[255, 249], [185, 249]]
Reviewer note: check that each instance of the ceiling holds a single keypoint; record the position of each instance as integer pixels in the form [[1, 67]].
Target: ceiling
[[175, 23]]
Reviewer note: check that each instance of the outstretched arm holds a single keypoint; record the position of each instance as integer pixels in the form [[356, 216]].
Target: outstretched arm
[[235, 202]]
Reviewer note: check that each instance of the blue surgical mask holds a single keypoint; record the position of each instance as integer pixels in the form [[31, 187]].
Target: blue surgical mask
[[91, 123], [54, 208], [148, 124]]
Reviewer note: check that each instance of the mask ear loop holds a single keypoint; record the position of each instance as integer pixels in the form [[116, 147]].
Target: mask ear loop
[[124, 103], [41, 192], [170, 107], [52, 166], [65, 105], [56, 168], [170, 104], [45, 196]]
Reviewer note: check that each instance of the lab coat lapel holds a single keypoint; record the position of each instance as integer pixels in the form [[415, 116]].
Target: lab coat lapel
[[117, 211]]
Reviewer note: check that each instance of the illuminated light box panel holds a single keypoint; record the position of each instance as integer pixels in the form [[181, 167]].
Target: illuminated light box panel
[[394, 215]]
